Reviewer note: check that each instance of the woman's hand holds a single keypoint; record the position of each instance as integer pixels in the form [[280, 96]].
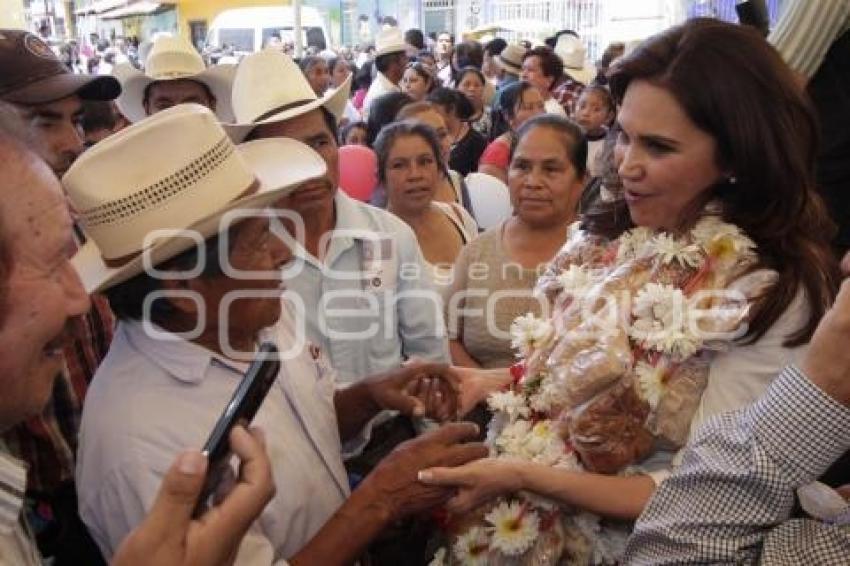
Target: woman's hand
[[417, 389], [476, 384], [170, 537], [476, 482]]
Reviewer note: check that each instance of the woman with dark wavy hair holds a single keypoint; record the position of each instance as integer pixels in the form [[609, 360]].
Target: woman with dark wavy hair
[[718, 197]]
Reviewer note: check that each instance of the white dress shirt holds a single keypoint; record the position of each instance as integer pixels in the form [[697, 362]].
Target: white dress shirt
[[153, 398]]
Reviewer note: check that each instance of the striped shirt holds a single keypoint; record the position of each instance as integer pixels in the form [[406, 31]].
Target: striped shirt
[[731, 499], [807, 29]]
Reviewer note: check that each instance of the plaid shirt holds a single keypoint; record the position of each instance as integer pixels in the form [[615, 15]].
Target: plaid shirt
[[566, 93], [48, 443], [732, 497]]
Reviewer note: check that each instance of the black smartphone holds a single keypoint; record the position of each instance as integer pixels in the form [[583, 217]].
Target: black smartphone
[[244, 404]]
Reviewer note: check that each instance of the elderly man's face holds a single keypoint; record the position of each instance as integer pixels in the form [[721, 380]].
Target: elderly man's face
[[43, 292], [58, 127], [165, 94], [254, 248]]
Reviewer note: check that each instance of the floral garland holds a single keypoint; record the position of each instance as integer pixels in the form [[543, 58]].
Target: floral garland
[[596, 391]]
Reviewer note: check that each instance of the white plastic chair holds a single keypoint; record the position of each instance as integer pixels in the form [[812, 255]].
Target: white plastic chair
[[490, 199]]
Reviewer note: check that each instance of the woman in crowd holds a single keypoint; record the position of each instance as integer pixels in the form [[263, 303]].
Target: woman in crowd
[[718, 179], [467, 144], [518, 102], [452, 188], [472, 83], [316, 70], [340, 69], [545, 179], [465, 54], [543, 69], [417, 81], [411, 167]]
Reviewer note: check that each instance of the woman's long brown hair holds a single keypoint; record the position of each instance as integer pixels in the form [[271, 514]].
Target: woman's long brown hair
[[734, 86]]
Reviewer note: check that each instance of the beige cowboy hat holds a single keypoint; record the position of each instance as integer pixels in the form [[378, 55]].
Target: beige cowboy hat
[[390, 40], [269, 87], [173, 58], [574, 56], [510, 59], [176, 171]]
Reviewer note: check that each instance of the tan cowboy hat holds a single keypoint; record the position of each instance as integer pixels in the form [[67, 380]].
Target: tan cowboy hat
[[390, 40], [174, 171], [269, 87], [510, 59], [574, 56], [172, 58]]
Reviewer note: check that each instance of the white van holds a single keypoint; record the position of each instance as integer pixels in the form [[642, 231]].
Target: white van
[[247, 30]]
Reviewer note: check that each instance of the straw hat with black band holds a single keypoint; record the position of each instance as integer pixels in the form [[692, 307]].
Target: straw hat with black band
[[162, 185], [269, 87]]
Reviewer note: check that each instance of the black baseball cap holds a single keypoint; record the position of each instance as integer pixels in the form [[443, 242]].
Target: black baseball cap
[[30, 73]]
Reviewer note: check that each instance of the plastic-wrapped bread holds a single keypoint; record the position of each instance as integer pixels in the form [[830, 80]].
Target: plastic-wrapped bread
[[608, 431], [671, 420], [596, 364]]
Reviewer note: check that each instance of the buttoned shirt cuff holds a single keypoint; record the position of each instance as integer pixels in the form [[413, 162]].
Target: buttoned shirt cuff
[[802, 427]]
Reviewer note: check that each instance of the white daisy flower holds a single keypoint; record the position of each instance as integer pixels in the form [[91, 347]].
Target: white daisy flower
[[509, 403], [671, 249], [544, 445], [632, 243], [471, 548], [515, 528], [575, 279], [511, 438], [660, 321], [650, 382], [548, 396], [529, 333]]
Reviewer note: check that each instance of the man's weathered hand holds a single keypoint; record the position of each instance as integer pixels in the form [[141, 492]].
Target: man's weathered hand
[[394, 482], [170, 537]]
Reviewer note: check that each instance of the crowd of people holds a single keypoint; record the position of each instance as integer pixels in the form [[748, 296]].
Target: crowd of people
[[623, 278]]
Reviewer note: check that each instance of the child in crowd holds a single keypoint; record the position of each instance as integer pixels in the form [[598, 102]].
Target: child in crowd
[[595, 113], [353, 133]]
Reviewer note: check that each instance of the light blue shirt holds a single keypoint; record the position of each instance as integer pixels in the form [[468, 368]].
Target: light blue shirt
[[372, 303], [153, 398]]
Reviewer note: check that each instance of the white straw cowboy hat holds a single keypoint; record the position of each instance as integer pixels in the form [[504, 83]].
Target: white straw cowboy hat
[[574, 56], [269, 87], [510, 59], [390, 40], [174, 171], [173, 58]]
